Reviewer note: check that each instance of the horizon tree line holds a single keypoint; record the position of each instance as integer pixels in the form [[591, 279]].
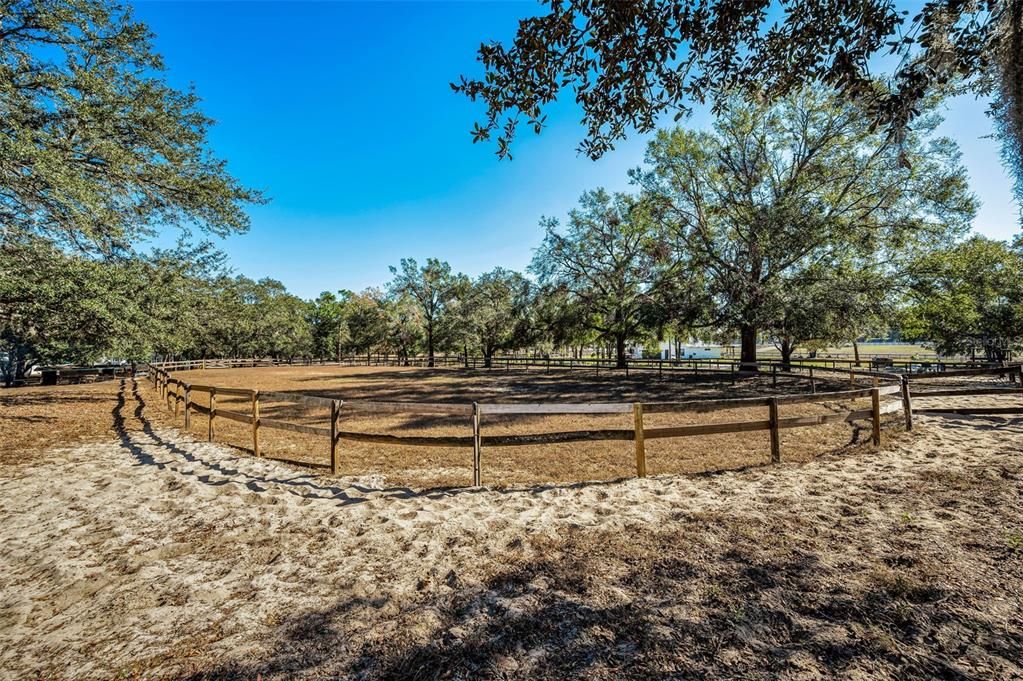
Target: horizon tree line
[[790, 223]]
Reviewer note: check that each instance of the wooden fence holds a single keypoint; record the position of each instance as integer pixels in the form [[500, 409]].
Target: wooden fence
[[179, 398], [696, 365], [686, 365]]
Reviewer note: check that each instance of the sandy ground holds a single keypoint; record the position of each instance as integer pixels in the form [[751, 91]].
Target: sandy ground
[[159, 556]]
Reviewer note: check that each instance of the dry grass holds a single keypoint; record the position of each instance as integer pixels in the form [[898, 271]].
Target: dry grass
[[520, 465], [35, 419]]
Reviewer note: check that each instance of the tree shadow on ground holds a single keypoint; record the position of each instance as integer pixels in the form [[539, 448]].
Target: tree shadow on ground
[[460, 385], [707, 599], [979, 422], [202, 470]]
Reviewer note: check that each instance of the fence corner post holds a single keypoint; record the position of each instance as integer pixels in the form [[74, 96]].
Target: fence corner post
[[477, 442], [875, 416], [637, 412], [775, 434]]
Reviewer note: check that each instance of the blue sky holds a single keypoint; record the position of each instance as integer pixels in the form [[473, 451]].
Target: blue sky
[[341, 112]]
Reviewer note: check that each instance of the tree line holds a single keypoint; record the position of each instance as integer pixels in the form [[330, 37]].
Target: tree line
[[790, 222], [794, 219]]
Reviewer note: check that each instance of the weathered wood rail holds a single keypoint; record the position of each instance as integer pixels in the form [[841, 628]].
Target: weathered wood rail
[[178, 394], [695, 366]]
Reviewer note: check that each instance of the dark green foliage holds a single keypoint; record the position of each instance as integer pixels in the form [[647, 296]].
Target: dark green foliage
[[629, 63], [794, 193], [97, 150], [968, 299], [431, 287], [612, 266]]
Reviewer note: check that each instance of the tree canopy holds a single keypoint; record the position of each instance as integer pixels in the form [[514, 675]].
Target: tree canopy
[[967, 298], [779, 192], [96, 149], [627, 64], [608, 263], [431, 287]]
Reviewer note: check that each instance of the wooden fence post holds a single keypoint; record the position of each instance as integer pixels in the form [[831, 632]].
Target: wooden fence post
[[875, 416], [335, 454], [907, 403], [213, 412], [813, 383], [637, 412], [774, 375], [188, 404], [477, 462], [852, 377], [255, 422], [775, 434]]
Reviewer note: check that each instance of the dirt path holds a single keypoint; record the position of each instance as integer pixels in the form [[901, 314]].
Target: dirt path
[[163, 556]]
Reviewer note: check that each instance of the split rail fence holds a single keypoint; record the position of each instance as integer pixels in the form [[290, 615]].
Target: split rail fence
[[179, 398], [696, 366]]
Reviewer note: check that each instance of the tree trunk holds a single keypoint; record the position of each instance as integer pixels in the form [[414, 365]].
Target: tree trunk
[[9, 367], [620, 351], [786, 354], [856, 352], [429, 344], [748, 350]]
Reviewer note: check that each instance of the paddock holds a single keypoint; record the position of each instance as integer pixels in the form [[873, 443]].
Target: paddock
[[398, 433]]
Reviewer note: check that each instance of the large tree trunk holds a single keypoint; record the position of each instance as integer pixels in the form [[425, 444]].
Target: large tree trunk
[[748, 347], [786, 354], [856, 352], [620, 359]]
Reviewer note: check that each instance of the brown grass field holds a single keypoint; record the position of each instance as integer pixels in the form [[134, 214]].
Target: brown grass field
[[135, 550]]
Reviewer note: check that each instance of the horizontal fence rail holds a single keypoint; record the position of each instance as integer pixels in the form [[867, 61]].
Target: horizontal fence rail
[[177, 392]]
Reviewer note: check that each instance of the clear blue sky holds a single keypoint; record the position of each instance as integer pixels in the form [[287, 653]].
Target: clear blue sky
[[342, 114]]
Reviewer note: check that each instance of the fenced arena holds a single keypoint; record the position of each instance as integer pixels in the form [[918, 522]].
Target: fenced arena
[[529, 420]]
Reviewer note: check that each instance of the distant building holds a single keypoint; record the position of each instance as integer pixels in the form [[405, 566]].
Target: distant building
[[671, 350]]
